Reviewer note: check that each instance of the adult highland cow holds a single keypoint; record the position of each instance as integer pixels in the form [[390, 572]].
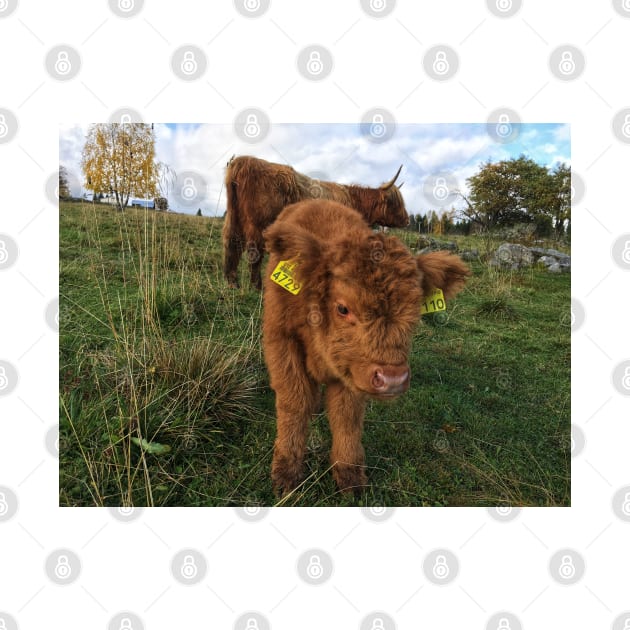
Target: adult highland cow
[[343, 315], [258, 190]]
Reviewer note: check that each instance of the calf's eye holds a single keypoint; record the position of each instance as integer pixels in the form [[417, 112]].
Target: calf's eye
[[342, 310]]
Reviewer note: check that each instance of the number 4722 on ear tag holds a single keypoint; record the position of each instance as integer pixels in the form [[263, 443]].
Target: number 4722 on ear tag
[[433, 302]]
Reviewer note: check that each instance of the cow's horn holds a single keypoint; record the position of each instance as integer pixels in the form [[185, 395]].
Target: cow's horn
[[390, 183]]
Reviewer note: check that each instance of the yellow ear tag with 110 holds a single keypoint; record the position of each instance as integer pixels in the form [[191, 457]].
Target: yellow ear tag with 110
[[433, 302]]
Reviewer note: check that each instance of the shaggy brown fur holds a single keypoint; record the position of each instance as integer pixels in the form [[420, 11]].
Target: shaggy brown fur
[[258, 190], [350, 328]]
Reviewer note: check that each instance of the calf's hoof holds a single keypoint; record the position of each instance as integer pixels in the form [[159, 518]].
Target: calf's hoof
[[286, 474], [350, 477]]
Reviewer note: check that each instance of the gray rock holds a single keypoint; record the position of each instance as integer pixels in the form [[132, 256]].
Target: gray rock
[[426, 244], [512, 256], [470, 254]]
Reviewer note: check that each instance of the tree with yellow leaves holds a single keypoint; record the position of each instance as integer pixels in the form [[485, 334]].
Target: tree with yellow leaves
[[119, 159]]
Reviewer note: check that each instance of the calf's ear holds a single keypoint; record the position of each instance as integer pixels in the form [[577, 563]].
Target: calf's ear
[[441, 270], [292, 242]]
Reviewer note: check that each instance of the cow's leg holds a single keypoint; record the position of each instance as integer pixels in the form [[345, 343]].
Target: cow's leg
[[296, 398], [255, 276], [345, 415], [232, 252]]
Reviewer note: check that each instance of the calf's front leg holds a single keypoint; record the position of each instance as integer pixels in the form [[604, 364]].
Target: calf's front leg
[[297, 396], [345, 415]]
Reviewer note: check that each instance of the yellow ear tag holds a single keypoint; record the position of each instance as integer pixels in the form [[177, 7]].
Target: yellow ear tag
[[433, 302], [284, 275]]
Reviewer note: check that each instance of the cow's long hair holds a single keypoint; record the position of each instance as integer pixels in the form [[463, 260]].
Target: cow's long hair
[[258, 190]]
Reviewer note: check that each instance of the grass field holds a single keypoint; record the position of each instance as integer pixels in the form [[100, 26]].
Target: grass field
[[165, 399]]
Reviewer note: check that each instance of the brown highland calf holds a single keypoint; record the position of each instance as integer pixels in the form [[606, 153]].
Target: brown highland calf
[[346, 322], [258, 190]]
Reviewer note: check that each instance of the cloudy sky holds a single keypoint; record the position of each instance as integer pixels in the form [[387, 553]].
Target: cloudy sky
[[344, 152]]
